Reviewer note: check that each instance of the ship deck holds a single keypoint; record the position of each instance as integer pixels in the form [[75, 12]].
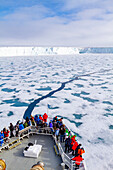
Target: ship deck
[[15, 159]]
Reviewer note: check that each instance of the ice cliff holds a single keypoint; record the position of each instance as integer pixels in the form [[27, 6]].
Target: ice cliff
[[33, 51], [96, 50]]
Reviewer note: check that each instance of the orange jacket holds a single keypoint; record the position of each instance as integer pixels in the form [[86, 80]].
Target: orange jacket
[[77, 159], [81, 151]]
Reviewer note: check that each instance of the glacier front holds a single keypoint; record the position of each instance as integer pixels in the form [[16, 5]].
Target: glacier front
[[34, 51]]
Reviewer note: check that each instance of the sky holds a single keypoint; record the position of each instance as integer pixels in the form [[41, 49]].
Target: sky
[[78, 23]]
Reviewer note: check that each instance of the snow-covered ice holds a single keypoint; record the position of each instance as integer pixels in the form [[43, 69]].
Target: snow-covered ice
[[86, 104]]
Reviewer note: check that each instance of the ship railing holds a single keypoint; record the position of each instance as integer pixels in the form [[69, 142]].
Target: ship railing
[[8, 143], [2, 144], [67, 160], [24, 132], [34, 130], [73, 165], [41, 130]]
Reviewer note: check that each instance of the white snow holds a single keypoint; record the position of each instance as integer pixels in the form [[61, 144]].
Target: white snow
[[29, 78]]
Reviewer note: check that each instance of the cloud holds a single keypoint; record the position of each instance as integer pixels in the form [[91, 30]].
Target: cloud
[[41, 25], [28, 13], [87, 4]]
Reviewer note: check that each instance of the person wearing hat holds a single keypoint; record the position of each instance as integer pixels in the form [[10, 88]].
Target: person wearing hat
[[38, 166]]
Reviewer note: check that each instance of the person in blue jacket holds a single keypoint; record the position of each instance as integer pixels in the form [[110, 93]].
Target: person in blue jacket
[[37, 119], [1, 138], [21, 126]]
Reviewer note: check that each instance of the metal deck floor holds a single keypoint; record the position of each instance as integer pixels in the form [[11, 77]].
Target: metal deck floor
[[15, 159]]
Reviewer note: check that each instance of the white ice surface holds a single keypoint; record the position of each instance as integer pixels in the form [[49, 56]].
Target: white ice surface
[[29, 78]]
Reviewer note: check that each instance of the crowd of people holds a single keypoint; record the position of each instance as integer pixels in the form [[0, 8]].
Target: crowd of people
[[13, 130], [58, 129], [71, 144]]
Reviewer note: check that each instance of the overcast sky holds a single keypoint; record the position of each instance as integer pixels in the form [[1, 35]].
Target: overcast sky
[[79, 23]]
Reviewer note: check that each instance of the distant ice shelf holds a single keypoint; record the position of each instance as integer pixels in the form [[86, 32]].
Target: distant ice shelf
[[34, 51], [96, 50]]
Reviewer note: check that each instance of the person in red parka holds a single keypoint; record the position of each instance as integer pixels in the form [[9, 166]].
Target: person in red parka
[[77, 160], [6, 135], [45, 116], [40, 117], [73, 140], [74, 147]]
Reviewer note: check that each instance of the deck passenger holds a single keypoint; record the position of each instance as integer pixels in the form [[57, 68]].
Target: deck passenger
[[38, 166], [60, 121], [62, 133], [67, 133], [81, 151], [57, 133], [73, 139], [45, 116], [25, 124], [51, 125], [77, 160], [28, 121], [55, 118], [21, 126], [1, 138], [4, 130], [40, 117], [54, 125], [17, 128], [74, 147], [6, 135], [37, 120], [32, 120], [11, 128], [35, 117], [77, 149], [67, 144], [40, 120]]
